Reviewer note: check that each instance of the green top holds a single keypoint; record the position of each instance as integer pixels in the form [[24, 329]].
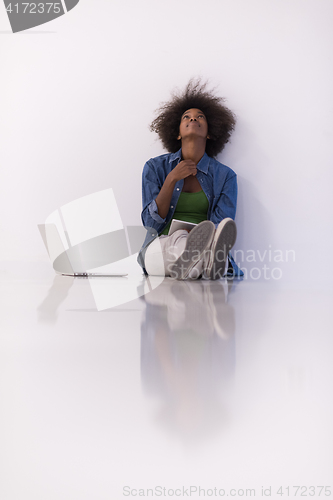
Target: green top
[[191, 207]]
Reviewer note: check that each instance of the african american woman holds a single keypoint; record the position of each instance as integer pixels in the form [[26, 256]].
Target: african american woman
[[189, 184]]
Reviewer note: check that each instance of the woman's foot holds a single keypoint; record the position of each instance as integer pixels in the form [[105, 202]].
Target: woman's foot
[[197, 243], [224, 240]]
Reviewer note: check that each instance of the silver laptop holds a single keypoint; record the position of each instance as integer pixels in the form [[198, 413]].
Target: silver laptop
[[78, 259]]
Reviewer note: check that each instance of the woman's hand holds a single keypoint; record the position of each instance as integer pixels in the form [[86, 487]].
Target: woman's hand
[[182, 170], [185, 168]]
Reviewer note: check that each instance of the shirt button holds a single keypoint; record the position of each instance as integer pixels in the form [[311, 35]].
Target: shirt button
[[171, 206], [177, 189]]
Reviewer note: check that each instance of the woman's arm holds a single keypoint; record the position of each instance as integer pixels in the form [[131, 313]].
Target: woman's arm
[[163, 199]]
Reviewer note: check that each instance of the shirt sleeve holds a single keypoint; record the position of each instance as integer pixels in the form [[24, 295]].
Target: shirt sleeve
[[225, 205], [153, 210], [150, 190]]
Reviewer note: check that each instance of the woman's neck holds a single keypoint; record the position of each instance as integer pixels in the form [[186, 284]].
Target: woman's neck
[[193, 150]]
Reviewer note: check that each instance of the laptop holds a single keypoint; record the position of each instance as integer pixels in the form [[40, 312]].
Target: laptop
[[80, 259]]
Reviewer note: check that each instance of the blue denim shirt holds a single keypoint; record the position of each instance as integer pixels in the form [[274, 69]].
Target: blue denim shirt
[[218, 182]]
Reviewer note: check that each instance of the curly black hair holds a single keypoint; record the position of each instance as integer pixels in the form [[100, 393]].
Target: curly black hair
[[221, 121]]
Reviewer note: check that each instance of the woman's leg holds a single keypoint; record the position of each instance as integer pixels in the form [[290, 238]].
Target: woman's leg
[[163, 252], [210, 253], [190, 263], [206, 251]]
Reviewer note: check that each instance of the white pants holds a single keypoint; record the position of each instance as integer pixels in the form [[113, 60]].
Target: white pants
[[165, 250]]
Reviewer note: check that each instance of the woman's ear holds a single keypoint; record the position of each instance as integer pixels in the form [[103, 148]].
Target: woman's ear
[[178, 138]]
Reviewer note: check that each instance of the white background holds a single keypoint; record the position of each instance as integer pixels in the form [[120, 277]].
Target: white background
[[77, 96], [83, 412]]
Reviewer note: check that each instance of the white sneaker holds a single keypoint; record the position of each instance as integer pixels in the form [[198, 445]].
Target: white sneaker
[[197, 243], [224, 240]]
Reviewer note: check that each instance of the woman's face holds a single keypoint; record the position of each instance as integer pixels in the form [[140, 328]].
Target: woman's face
[[193, 123]]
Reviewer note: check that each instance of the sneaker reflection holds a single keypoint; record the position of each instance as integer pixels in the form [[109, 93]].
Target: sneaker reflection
[[188, 355]]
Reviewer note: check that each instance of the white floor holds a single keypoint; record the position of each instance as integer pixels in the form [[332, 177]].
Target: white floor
[[223, 386]]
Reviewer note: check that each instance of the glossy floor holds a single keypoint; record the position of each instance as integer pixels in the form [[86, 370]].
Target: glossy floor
[[223, 386]]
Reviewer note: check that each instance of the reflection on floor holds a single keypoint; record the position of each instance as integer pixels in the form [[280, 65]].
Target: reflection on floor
[[225, 383], [188, 353]]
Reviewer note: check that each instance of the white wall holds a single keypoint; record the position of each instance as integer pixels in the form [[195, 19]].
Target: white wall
[[77, 96]]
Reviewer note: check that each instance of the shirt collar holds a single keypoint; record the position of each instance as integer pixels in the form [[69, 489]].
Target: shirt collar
[[202, 165]]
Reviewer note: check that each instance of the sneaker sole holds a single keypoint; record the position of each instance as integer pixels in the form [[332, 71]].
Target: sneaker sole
[[199, 239], [224, 243]]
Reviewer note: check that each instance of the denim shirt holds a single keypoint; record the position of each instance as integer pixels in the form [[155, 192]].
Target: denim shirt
[[218, 182]]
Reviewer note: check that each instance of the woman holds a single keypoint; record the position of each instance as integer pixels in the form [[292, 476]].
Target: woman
[[189, 184]]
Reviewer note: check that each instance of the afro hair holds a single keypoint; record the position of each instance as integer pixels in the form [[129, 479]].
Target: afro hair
[[221, 121]]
